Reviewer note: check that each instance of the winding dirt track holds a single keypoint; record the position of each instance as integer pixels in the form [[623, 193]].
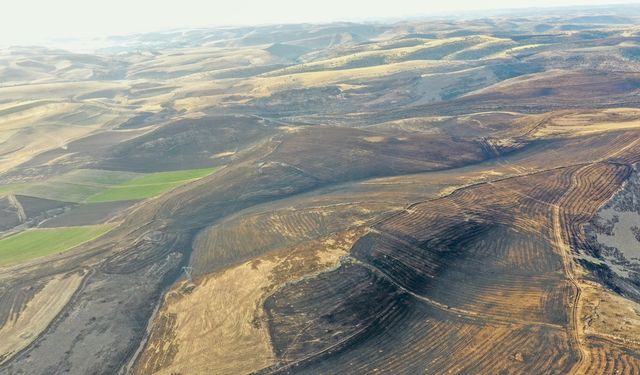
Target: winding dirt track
[[574, 327], [22, 216]]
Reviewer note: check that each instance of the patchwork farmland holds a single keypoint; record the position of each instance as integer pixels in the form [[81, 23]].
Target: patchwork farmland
[[442, 196]]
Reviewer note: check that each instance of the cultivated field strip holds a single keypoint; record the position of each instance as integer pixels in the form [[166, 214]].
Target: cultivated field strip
[[510, 248], [450, 166], [257, 233], [318, 309], [610, 357], [578, 211], [418, 338]]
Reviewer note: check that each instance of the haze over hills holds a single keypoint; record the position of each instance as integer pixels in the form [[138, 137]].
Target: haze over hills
[[437, 196]]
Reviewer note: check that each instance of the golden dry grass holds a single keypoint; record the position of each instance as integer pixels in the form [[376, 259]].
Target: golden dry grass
[[214, 325], [265, 86], [202, 60], [391, 55], [387, 55], [576, 124], [219, 327], [507, 53], [45, 125]]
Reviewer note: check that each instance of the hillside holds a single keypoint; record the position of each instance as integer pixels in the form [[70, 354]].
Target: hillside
[[425, 196]]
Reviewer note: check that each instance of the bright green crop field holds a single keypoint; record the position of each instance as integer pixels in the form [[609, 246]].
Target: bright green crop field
[[95, 186], [148, 185], [35, 243]]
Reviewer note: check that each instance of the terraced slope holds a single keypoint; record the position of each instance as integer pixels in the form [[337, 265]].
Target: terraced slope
[[481, 257], [455, 196]]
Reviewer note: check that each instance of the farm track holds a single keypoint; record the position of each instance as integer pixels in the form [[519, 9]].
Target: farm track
[[567, 260], [569, 185], [564, 228], [462, 159], [22, 216], [461, 192]]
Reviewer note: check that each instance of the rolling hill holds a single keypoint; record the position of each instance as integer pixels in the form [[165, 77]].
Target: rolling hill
[[444, 196]]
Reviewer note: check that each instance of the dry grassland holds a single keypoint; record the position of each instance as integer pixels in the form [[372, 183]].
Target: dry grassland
[[219, 326]]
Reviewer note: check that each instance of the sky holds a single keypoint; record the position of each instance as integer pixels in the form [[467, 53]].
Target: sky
[[35, 21]]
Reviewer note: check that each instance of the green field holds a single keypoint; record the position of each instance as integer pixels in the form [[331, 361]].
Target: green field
[[98, 177], [61, 191], [94, 186], [149, 185], [76, 186], [10, 188], [34, 243]]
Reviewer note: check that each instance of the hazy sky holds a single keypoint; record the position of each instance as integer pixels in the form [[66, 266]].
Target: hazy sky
[[27, 21]]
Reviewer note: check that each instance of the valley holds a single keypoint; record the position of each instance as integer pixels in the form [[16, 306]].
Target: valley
[[446, 196]]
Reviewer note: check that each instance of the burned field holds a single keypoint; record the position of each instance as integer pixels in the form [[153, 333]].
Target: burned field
[[440, 197], [479, 261]]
